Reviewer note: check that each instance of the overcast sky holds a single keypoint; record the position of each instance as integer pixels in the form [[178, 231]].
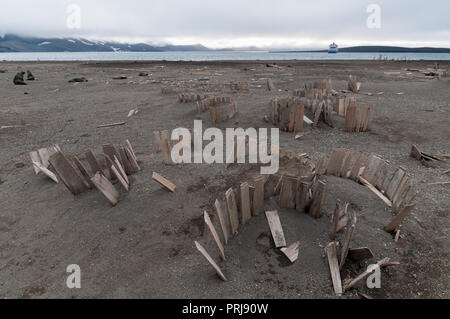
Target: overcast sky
[[236, 23]]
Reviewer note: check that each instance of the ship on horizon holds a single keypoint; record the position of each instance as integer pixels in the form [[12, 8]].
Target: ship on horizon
[[333, 48]]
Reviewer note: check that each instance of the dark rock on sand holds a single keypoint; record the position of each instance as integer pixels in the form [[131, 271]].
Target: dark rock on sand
[[82, 79]]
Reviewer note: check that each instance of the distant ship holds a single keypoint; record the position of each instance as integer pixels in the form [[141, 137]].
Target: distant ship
[[333, 48]]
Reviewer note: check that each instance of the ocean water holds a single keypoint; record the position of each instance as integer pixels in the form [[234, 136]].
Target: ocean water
[[213, 56]]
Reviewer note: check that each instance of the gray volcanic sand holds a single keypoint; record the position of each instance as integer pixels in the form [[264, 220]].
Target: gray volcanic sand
[[144, 247]]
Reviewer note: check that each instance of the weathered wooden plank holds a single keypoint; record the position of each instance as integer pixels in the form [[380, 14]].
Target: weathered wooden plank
[[359, 162], [375, 191], [35, 158], [339, 212], [347, 240], [67, 173], [210, 260], [316, 204], [360, 254], [41, 168], [106, 188], [222, 221], [291, 252], [232, 210], [111, 151], [92, 161], [165, 147], [157, 141], [373, 168], [395, 182], [399, 218], [287, 192], [258, 196], [120, 177], [299, 115], [246, 212], [331, 252], [164, 182], [275, 228], [346, 163], [270, 86], [214, 235], [335, 163], [302, 200], [85, 173], [121, 170]]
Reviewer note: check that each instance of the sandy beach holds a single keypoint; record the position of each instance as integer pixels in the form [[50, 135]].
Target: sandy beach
[[144, 247]]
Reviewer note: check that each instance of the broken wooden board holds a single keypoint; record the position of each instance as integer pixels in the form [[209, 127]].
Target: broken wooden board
[[373, 168], [395, 183], [359, 162], [336, 161], [399, 218], [87, 175], [120, 177], [157, 141], [232, 210], [288, 192], [111, 125], [164, 182], [291, 252], [382, 263], [222, 221], [165, 148], [258, 196], [302, 199], [316, 204], [132, 160], [214, 235], [121, 170], [38, 166], [36, 158], [347, 241], [376, 191], [67, 173], [275, 228], [130, 148], [92, 161], [339, 213], [210, 261], [331, 252], [245, 203], [360, 254], [270, 86], [106, 188]]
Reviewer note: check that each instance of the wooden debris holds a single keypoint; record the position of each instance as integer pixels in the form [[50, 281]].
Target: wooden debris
[[38, 166], [336, 161], [348, 239], [222, 221], [339, 213], [35, 158], [67, 173], [106, 188], [331, 252], [302, 199], [232, 210], [157, 141], [291, 252], [360, 254], [395, 182], [164, 182], [399, 218], [353, 85], [288, 192], [112, 124], [275, 228], [376, 191], [121, 170], [120, 177], [316, 204], [87, 175], [210, 261], [245, 203], [92, 161], [165, 148], [270, 86], [439, 183], [382, 263], [214, 235]]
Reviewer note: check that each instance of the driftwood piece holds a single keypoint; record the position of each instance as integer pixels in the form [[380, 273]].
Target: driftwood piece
[[232, 210], [214, 235], [106, 188], [38, 166], [92, 161], [164, 182], [287, 192], [291, 252], [87, 175], [270, 86], [316, 204], [120, 178], [222, 221], [210, 261], [35, 158], [339, 213], [275, 228], [399, 218], [112, 124], [258, 196], [335, 163], [376, 191], [157, 141], [67, 173], [246, 212], [331, 252]]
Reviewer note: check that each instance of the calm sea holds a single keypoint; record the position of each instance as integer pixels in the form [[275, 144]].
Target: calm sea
[[212, 55]]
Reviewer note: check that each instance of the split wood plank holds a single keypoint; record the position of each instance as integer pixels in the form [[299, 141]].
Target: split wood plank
[[288, 192], [346, 164], [165, 148], [134, 164], [106, 188], [360, 254], [164, 182], [307, 120], [210, 261], [258, 196], [157, 141], [270, 86], [44, 154], [316, 204], [214, 235], [395, 182], [67, 173], [130, 148], [347, 240], [275, 228], [399, 218], [291, 252], [373, 168], [112, 124], [337, 157], [302, 196], [359, 162], [299, 116], [120, 177], [41, 168], [87, 175], [246, 212], [92, 161], [121, 170], [339, 212], [382, 263], [331, 252], [232, 210], [376, 191], [35, 158], [222, 221]]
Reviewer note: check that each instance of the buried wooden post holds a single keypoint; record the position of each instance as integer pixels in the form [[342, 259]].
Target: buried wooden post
[[106, 188], [302, 200], [210, 260], [92, 161], [222, 221], [258, 196], [339, 212], [331, 252], [245, 203], [316, 204], [399, 218], [347, 240], [287, 192], [232, 210], [275, 228], [214, 235]]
